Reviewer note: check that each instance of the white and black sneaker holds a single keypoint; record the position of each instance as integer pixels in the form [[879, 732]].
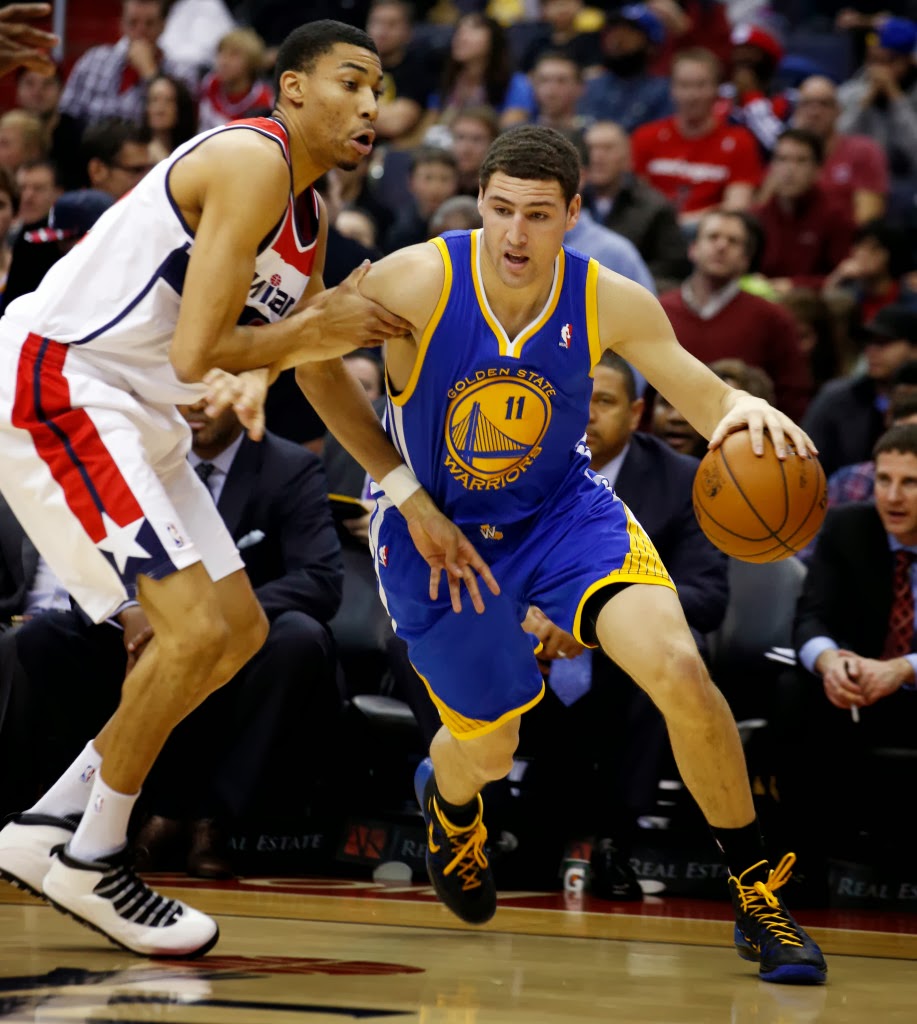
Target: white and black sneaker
[[27, 843], [107, 896]]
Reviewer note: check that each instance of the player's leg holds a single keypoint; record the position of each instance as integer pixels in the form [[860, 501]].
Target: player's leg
[[643, 629]]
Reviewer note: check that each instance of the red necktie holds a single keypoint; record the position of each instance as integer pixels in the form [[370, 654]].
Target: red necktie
[[901, 620]]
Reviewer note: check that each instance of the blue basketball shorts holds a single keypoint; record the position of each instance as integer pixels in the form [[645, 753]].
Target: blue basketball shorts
[[480, 669]]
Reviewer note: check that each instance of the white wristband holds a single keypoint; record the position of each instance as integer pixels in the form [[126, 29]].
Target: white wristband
[[399, 484]]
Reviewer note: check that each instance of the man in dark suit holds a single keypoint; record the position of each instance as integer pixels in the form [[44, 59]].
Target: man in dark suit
[[245, 738], [855, 631]]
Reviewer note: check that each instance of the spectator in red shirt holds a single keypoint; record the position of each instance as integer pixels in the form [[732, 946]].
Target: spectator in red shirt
[[806, 233], [855, 168], [693, 158], [756, 52], [714, 319]]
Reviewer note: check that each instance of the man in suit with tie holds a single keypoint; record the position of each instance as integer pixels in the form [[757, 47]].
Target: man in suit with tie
[[273, 498], [855, 632], [605, 721]]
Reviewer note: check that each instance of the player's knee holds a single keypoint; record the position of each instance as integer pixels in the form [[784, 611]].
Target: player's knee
[[245, 643], [493, 754], [682, 681]]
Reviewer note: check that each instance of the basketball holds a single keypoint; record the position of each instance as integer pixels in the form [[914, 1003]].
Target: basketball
[[755, 507]]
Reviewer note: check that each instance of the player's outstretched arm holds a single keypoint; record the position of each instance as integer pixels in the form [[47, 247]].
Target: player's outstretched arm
[[639, 330], [229, 225]]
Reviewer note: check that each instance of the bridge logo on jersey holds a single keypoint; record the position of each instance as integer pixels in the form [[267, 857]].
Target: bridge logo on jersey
[[495, 422]]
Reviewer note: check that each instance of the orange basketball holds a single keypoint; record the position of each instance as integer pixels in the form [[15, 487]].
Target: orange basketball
[[755, 507]]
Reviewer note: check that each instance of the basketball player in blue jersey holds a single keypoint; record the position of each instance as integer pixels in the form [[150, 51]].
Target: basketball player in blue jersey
[[212, 263], [488, 400]]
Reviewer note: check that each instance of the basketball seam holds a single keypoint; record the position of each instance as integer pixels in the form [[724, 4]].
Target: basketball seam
[[757, 514]]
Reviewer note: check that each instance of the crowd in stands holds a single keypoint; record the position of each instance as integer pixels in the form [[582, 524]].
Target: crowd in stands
[[765, 187]]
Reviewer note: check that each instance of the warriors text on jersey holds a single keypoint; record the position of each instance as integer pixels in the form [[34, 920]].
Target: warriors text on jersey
[[492, 426], [122, 311]]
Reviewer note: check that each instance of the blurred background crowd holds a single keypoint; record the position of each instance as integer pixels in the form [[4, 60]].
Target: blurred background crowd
[[754, 164]]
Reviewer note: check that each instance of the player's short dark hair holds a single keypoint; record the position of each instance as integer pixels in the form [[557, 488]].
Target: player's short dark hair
[[612, 361], [902, 437], [103, 139], [535, 153], [805, 138], [304, 45]]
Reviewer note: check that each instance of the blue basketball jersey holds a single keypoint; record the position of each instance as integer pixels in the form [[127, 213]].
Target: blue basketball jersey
[[492, 426]]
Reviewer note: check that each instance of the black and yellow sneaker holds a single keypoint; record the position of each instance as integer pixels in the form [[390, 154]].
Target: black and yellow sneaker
[[456, 862], [766, 933]]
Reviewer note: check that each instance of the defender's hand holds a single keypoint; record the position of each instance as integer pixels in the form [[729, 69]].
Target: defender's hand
[[446, 549], [350, 320], [23, 45], [244, 392], [758, 416]]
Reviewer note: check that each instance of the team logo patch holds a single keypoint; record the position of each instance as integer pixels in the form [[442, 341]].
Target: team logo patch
[[566, 334], [490, 532], [276, 280], [495, 423]]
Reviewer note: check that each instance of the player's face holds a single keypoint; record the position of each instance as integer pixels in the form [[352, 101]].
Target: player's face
[[896, 495], [613, 417], [525, 221], [336, 104]]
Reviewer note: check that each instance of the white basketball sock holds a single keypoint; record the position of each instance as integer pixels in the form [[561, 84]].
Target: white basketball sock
[[103, 827], [70, 794]]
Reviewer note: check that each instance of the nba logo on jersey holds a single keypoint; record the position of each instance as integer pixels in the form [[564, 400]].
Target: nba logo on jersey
[[566, 333], [383, 555], [177, 538]]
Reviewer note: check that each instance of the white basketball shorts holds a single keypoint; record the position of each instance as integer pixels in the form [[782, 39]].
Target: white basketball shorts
[[98, 478]]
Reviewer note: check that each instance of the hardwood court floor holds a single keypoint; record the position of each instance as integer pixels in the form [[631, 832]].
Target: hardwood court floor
[[318, 951]]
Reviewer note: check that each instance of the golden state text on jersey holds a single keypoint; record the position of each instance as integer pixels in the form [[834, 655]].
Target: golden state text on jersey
[[491, 425]]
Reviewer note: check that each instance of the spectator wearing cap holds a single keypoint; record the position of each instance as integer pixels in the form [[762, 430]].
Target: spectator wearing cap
[[692, 157], [847, 416], [881, 102], [42, 243], [112, 80], [756, 52], [855, 169], [806, 232], [626, 92], [116, 154], [628, 205]]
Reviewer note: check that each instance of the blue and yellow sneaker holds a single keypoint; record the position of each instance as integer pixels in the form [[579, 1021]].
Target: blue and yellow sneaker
[[456, 862], [766, 933]]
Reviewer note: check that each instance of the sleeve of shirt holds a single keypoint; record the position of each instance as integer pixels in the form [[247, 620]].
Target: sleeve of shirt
[[871, 172], [72, 100], [812, 649], [520, 95], [746, 164]]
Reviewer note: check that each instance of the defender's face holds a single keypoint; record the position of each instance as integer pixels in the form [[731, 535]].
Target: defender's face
[[896, 495], [337, 103], [525, 221]]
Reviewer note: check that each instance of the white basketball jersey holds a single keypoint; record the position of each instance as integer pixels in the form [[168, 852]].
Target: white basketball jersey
[[116, 294]]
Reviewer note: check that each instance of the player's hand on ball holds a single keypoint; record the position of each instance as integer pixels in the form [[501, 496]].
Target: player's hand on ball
[[446, 549], [245, 393], [759, 416]]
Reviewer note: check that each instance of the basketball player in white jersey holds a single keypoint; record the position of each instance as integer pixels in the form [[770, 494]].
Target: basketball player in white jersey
[[213, 261]]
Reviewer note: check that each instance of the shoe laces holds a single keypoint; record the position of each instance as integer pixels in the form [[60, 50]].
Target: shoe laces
[[467, 846], [760, 903]]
